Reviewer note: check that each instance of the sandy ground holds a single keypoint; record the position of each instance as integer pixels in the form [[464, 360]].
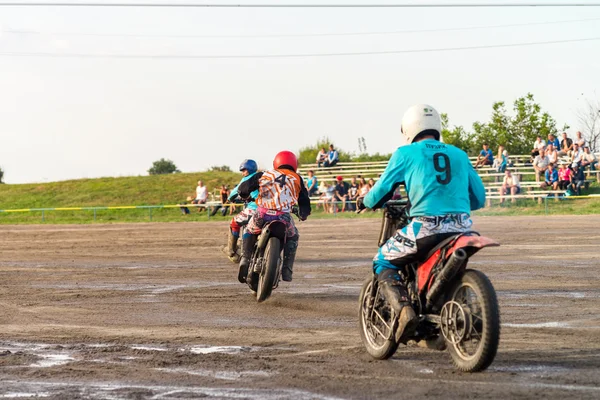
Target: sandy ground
[[154, 311]]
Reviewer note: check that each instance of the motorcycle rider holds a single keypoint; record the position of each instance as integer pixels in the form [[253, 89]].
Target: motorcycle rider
[[442, 187], [279, 190], [248, 168]]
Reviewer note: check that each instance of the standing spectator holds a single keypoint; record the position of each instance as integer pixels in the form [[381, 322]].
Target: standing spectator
[[576, 155], [501, 160], [540, 164], [566, 145], [332, 158], [552, 154], [312, 185], [553, 140], [341, 192], [551, 176], [588, 158], [201, 195], [321, 157], [486, 157], [579, 140], [577, 180], [538, 145], [564, 177], [511, 185], [353, 194]]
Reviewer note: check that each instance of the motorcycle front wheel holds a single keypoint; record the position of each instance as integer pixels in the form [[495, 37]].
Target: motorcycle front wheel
[[268, 273], [377, 322], [471, 322]]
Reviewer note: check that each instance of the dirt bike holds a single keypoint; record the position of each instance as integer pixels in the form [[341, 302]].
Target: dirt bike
[[457, 307], [264, 272]]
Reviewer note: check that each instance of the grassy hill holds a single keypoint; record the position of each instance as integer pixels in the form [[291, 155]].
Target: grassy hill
[[131, 190], [173, 189]]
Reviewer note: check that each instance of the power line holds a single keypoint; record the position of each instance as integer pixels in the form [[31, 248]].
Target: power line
[[304, 55], [293, 35], [258, 5]]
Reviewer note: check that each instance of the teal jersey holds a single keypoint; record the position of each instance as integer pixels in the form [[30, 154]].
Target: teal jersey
[[439, 180], [251, 205]]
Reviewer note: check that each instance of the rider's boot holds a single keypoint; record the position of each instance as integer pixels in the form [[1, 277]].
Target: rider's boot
[[232, 247], [394, 291], [247, 250], [289, 255]]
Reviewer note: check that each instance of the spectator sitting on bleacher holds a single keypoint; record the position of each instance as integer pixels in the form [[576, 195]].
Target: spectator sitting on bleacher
[[588, 158], [566, 145], [553, 140], [364, 188], [353, 194], [327, 197], [576, 155], [510, 184], [501, 160], [485, 157], [552, 153], [201, 195], [564, 177], [540, 164], [538, 145], [312, 185], [551, 176], [332, 158], [577, 180], [579, 140], [341, 192], [321, 157], [323, 187]]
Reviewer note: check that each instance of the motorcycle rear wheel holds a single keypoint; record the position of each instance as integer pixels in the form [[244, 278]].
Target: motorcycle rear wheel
[[480, 333], [373, 323], [268, 273]]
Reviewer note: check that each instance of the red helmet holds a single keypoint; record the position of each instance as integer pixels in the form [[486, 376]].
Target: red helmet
[[285, 158]]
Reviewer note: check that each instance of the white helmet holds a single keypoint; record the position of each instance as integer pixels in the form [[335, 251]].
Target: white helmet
[[419, 118]]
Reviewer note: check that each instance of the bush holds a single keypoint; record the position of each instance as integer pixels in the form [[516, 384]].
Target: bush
[[162, 167]]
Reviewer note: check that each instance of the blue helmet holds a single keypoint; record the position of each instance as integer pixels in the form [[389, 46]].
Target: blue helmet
[[249, 165]]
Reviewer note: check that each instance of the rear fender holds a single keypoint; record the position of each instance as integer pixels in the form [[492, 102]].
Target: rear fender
[[273, 229], [471, 244]]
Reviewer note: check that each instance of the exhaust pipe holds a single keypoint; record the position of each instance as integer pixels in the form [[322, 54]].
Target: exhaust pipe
[[453, 265]]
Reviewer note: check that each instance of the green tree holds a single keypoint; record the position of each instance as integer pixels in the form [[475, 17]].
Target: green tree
[[1, 175], [457, 136], [516, 133], [163, 166], [220, 168]]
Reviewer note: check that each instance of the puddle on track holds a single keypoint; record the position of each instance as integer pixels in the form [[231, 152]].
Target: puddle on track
[[116, 390], [223, 375]]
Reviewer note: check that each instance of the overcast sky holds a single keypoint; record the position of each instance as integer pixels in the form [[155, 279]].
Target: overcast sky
[[64, 118]]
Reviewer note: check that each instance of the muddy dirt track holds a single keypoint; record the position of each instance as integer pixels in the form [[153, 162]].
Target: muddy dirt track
[[154, 311]]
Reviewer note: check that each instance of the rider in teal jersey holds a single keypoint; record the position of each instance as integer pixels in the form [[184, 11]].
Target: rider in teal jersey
[[442, 187], [248, 168]]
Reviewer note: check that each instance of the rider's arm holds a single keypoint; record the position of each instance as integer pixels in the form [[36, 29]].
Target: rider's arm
[[233, 194], [384, 188], [304, 208], [246, 187], [476, 189]]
